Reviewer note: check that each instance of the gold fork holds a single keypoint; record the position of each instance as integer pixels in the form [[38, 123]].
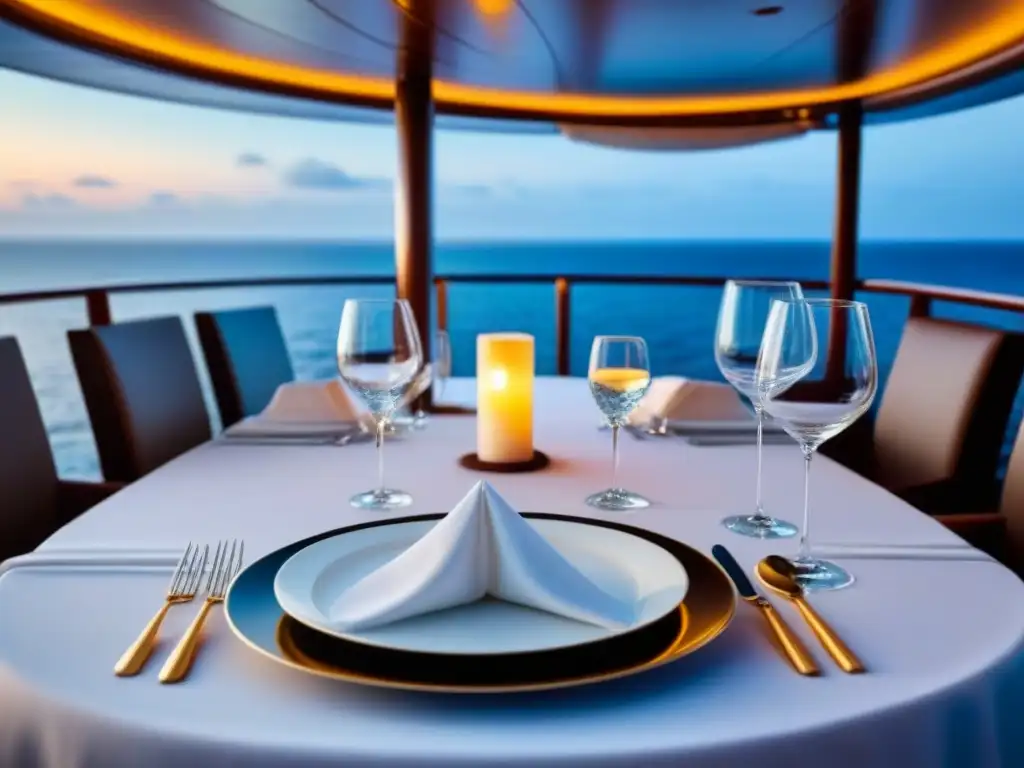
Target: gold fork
[[182, 589], [225, 567]]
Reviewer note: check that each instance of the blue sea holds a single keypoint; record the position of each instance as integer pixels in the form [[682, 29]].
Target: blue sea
[[677, 321]]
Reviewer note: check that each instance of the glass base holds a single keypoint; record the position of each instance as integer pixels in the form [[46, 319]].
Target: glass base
[[382, 499], [818, 575], [617, 499], [420, 420], [760, 527]]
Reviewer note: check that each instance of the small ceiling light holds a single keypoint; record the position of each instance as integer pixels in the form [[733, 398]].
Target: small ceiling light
[[768, 10]]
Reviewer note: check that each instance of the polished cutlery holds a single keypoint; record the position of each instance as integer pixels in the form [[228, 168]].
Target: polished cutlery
[[184, 583], [796, 652], [226, 565], [724, 439], [355, 436], [777, 573]]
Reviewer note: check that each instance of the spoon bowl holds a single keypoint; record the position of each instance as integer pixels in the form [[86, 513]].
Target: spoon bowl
[[779, 575]]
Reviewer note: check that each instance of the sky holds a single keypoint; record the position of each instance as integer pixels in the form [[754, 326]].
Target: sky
[[77, 162]]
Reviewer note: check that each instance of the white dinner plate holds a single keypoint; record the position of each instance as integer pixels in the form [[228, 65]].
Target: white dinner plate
[[623, 565]]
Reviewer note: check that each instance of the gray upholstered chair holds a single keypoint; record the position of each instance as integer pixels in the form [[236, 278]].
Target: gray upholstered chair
[[34, 503], [944, 412], [247, 359], [1000, 533], [142, 392]]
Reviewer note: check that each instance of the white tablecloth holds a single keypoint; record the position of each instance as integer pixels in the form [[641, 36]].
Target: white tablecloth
[[942, 638]]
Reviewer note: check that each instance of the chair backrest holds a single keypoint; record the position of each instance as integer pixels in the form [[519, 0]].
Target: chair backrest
[[1012, 503], [142, 392], [247, 359], [28, 477], [946, 405]]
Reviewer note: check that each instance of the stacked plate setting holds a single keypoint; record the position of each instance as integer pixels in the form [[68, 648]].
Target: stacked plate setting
[[480, 600]]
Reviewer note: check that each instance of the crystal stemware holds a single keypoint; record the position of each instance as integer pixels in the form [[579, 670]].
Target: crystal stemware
[[442, 363], [619, 378], [379, 357], [819, 375], [741, 321]]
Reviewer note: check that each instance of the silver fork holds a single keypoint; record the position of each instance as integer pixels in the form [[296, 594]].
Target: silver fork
[[226, 565], [182, 589]]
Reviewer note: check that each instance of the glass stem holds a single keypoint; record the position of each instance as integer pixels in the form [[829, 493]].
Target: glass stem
[[759, 507], [615, 456], [805, 543], [380, 455]]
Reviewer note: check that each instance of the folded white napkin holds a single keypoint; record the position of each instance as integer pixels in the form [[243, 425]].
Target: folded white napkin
[[482, 547], [676, 398], [307, 407]]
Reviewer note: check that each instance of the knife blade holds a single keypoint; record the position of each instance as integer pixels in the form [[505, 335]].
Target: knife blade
[[796, 652]]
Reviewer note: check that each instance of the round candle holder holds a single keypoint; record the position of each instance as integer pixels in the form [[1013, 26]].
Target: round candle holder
[[537, 461]]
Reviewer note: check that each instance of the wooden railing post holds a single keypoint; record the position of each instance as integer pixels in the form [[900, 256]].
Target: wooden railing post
[[920, 305], [97, 304], [562, 330], [414, 123], [844, 238], [441, 296]]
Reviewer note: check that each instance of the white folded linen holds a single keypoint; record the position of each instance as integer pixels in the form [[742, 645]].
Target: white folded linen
[[483, 547], [306, 407], [678, 399]]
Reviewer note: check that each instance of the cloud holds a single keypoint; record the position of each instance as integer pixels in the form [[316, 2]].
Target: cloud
[[92, 181], [318, 174], [162, 198], [251, 160], [53, 201]]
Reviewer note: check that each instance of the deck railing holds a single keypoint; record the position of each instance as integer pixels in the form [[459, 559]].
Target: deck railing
[[922, 296]]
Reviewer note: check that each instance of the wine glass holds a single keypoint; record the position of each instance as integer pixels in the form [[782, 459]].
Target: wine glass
[[442, 362], [619, 378], [379, 357], [830, 389], [741, 322]]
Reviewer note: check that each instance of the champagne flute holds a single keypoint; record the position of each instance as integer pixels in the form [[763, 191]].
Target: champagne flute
[[818, 398], [741, 321], [379, 357], [619, 378]]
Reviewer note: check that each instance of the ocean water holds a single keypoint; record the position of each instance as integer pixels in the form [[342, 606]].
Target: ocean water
[[677, 321]]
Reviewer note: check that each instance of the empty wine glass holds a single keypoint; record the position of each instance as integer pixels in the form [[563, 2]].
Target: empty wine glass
[[742, 316], [379, 356], [829, 377], [442, 363], [619, 378]]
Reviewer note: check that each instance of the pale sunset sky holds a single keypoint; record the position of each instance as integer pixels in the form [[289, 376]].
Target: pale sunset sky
[[77, 162]]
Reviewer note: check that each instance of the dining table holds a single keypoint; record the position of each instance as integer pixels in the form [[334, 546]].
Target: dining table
[[939, 625]]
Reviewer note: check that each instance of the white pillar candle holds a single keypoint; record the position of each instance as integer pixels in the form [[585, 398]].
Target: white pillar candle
[[504, 397]]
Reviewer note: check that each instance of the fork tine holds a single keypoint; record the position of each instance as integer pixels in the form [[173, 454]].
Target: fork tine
[[226, 571], [182, 583], [181, 568], [196, 576], [218, 563]]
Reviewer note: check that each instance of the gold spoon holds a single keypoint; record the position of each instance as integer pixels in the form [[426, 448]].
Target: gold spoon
[[777, 573]]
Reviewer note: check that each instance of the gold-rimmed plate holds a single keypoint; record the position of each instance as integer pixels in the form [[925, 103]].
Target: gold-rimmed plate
[[256, 618]]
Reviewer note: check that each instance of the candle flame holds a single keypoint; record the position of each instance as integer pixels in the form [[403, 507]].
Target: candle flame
[[499, 379]]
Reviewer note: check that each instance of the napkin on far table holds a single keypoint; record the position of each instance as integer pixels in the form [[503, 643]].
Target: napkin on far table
[[692, 402], [305, 407], [482, 547]]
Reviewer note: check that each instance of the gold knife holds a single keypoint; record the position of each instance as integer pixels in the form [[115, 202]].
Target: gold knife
[[796, 652]]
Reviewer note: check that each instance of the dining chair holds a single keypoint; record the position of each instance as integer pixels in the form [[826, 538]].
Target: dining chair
[[1000, 533], [247, 358], [142, 392], [34, 502], [940, 428]]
